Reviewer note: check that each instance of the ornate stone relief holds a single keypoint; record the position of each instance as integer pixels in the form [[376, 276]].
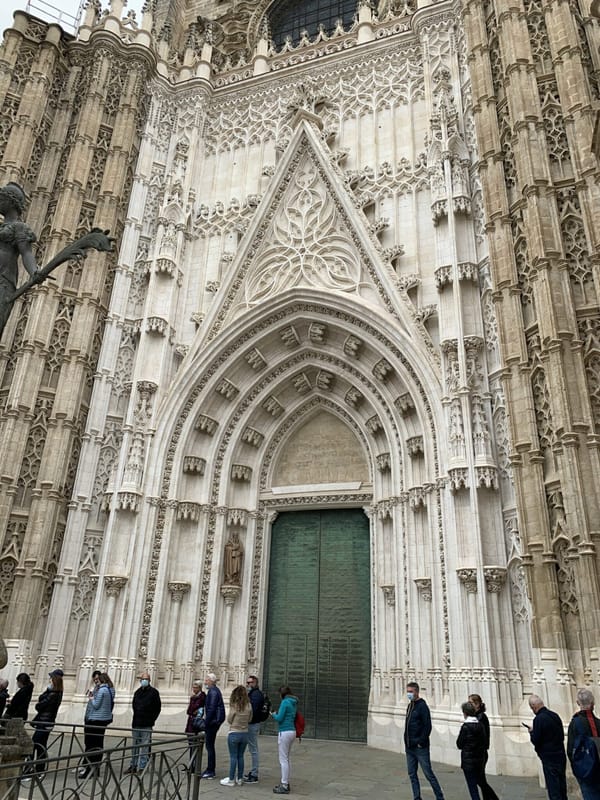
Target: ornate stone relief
[[9, 559], [308, 246]]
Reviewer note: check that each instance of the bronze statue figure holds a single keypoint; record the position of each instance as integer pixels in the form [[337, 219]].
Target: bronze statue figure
[[16, 239]]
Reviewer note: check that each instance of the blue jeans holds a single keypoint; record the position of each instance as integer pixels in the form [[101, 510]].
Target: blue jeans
[[236, 742], [140, 739], [253, 731], [419, 756], [555, 775]]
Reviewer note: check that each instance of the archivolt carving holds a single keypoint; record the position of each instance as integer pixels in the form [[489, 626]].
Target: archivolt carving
[[226, 356]]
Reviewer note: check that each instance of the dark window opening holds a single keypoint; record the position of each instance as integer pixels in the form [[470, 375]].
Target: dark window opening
[[290, 18]]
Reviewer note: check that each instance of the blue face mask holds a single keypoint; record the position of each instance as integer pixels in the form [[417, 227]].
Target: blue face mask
[[144, 682], [410, 695]]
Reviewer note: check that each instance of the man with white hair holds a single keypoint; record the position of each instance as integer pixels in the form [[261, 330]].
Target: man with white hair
[[584, 723], [214, 716], [547, 735]]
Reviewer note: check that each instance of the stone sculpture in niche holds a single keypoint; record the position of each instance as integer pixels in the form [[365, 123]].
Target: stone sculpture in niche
[[232, 564]]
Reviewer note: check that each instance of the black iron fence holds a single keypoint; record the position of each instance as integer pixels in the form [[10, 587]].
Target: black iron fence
[[67, 772]]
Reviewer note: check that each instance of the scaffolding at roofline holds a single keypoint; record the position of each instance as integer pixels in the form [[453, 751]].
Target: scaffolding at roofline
[[49, 13]]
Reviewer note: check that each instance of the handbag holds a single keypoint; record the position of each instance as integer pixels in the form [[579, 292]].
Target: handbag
[[585, 759], [198, 722]]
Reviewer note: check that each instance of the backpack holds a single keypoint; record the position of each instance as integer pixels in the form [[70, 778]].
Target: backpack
[[299, 724], [265, 709], [585, 760]]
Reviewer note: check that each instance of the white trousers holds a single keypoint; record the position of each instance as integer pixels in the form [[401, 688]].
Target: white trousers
[[284, 745]]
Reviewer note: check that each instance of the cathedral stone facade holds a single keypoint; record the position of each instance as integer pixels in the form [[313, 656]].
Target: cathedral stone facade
[[330, 411]]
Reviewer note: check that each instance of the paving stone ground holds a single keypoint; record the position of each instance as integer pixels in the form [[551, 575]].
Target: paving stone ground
[[345, 771]]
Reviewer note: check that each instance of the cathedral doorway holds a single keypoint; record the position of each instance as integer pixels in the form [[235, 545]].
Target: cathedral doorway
[[318, 637]]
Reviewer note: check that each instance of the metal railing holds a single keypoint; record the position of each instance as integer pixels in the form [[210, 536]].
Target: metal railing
[[172, 772], [50, 13]]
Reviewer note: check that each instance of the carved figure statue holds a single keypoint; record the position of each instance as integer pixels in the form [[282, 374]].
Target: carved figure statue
[[234, 555], [16, 238]]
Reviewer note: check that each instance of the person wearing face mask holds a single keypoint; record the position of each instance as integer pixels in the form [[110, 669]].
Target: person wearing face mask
[[417, 730], [146, 708]]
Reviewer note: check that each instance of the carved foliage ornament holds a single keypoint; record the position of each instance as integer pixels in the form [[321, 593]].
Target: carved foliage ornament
[[307, 246]]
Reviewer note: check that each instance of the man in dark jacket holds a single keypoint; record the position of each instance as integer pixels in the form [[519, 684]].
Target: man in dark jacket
[[214, 716], [146, 708], [585, 723], [257, 700], [547, 735], [417, 730]]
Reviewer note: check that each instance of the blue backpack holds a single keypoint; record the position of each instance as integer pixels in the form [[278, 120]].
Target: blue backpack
[[585, 759]]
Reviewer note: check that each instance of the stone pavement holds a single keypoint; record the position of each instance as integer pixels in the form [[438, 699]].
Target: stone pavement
[[326, 770]]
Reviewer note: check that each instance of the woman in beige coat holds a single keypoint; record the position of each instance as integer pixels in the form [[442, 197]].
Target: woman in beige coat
[[239, 716]]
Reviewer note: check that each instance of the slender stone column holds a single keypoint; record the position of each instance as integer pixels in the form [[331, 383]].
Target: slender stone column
[[112, 585], [177, 589], [468, 577], [230, 594]]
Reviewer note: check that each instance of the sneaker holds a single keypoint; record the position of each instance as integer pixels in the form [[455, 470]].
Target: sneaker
[[250, 778], [239, 781], [131, 771], [227, 782], [83, 772], [281, 789], [208, 775]]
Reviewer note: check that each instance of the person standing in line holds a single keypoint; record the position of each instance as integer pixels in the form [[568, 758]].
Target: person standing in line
[[18, 706], [214, 717], [547, 735], [98, 715], [47, 708], [417, 730], [257, 700], [146, 706], [195, 707], [3, 694], [471, 743], [584, 722], [486, 790], [239, 716], [285, 718]]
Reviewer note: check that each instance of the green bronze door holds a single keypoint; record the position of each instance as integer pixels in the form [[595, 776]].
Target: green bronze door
[[318, 619]]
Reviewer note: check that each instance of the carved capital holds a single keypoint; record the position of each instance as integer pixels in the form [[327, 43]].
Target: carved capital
[[389, 593], [178, 589], [113, 584], [495, 578], [468, 577], [230, 594], [424, 587]]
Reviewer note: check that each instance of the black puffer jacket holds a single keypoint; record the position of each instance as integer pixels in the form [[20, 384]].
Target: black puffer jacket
[[471, 743], [47, 706]]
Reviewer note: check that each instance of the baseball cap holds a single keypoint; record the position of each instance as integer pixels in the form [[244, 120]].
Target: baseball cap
[[56, 673]]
